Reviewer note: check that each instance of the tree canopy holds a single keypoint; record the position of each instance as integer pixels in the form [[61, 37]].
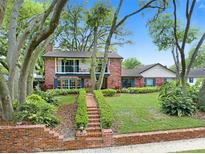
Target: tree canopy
[[131, 63]]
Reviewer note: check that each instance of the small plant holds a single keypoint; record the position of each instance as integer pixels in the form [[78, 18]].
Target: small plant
[[109, 92], [106, 115], [46, 96], [37, 111], [81, 118], [174, 103]]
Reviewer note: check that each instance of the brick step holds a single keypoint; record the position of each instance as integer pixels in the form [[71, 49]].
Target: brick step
[[93, 116], [93, 112], [93, 120], [93, 129], [94, 145], [94, 134], [92, 109], [94, 140], [93, 124]]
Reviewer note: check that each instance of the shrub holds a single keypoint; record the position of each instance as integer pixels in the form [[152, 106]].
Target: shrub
[[81, 118], [142, 90], [106, 116], [37, 111], [46, 96], [56, 92], [109, 92], [174, 103]]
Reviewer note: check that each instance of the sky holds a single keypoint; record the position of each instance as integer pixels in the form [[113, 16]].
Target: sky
[[143, 48]]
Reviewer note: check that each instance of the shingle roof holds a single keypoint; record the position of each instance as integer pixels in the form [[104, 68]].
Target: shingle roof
[[197, 73], [136, 71], [83, 54]]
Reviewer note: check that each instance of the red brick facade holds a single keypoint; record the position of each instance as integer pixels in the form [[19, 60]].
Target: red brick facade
[[159, 81], [49, 72], [139, 82], [114, 79]]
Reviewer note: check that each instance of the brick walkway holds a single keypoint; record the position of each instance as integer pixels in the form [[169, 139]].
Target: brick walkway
[[94, 133]]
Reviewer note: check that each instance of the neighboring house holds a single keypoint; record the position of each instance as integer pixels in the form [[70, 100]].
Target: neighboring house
[[65, 69], [196, 74], [148, 75]]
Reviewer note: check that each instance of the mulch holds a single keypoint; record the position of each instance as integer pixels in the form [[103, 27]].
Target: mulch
[[66, 114]]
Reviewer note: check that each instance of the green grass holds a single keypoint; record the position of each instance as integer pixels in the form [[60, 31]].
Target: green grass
[[141, 113], [193, 151], [65, 99]]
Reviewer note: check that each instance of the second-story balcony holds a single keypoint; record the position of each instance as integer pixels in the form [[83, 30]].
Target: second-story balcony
[[75, 67]]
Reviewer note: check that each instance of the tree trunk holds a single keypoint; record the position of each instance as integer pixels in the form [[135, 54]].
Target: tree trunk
[[93, 61], [183, 74], [6, 101], [202, 93], [30, 82], [13, 53]]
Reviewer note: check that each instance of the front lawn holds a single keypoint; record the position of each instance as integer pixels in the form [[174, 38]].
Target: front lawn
[[65, 99], [141, 113]]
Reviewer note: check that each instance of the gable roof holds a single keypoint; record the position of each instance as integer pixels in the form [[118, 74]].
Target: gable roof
[[137, 71], [197, 73], [60, 53]]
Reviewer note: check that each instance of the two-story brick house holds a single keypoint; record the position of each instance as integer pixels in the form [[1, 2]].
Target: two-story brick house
[[64, 69]]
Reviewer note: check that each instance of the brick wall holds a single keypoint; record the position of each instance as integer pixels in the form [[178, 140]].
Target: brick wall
[[159, 81], [29, 139], [140, 138], [139, 82], [49, 72], [35, 138], [114, 79]]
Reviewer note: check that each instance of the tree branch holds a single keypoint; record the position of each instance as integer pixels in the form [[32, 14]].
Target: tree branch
[[193, 57]]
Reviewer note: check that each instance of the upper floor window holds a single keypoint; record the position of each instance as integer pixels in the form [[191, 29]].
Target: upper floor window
[[68, 65]]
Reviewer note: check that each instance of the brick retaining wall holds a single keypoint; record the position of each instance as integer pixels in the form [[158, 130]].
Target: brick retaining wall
[[140, 138], [34, 138]]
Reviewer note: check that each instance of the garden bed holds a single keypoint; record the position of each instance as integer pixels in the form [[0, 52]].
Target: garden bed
[[66, 112], [142, 113]]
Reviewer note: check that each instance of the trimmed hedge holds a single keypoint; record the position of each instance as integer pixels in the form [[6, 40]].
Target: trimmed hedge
[[109, 92], [56, 92], [106, 115], [81, 118], [142, 90]]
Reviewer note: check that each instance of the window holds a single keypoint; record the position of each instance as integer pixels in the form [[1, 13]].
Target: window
[[71, 83], [169, 79], [68, 66], [191, 80], [128, 83], [149, 82]]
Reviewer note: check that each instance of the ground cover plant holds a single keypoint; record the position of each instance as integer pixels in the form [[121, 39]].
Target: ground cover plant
[[37, 111], [142, 113]]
